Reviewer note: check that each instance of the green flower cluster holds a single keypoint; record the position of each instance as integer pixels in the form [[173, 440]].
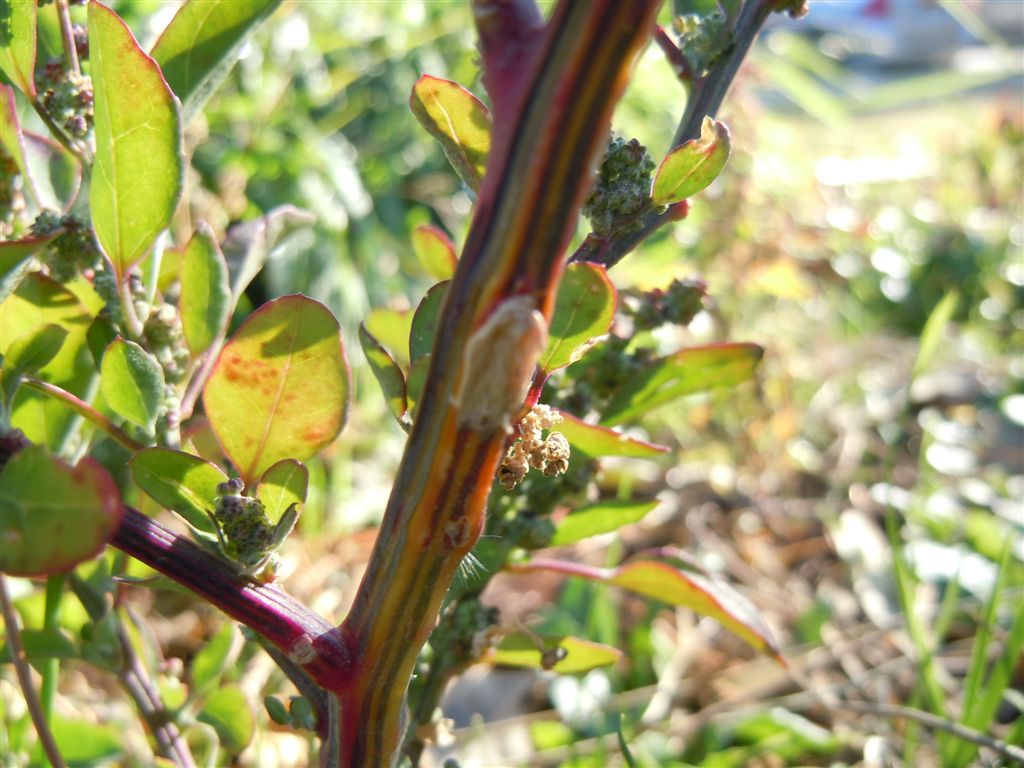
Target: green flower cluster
[[622, 190], [247, 537], [68, 98], [702, 40], [73, 251]]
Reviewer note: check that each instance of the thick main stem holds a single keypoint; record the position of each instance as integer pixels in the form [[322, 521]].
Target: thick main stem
[[554, 122]]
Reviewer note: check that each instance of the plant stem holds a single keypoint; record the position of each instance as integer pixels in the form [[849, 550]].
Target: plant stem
[[539, 170], [67, 36], [23, 670], [57, 132], [308, 640], [136, 681], [82, 408], [50, 668], [705, 98]]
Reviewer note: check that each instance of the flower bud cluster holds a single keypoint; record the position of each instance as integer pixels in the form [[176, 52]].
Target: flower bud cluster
[[467, 631], [68, 98], [73, 251], [702, 40], [531, 449], [248, 534], [166, 340], [678, 304], [622, 190]]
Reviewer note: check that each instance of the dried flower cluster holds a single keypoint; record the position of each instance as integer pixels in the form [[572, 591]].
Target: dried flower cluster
[[531, 449]]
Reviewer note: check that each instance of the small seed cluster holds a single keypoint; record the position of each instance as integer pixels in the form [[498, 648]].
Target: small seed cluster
[[531, 449], [74, 250]]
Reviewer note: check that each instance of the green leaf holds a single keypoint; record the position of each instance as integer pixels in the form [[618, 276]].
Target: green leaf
[[201, 44], [52, 515], [704, 594], [565, 655], [595, 440], [40, 301], [138, 173], [132, 383], [436, 253], [83, 744], [56, 173], [281, 486], [389, 375], [584, 309], [599, 518], [931, 334], [691, 167], [230, 714], [459, 121], [686, 372], [42, 644], [179, 481], [18, 43], [205, 301], [211, 660], [11, 137], [16, 261], [280, 387], [425, 321], [26, 355], [392, 327]]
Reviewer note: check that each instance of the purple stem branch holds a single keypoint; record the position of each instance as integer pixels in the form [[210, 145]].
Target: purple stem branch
[[306, 638]]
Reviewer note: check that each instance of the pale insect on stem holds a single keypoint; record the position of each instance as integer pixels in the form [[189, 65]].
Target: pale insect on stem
[[498, 365]]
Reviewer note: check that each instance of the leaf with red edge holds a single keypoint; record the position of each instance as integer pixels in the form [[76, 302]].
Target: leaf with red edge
[[280, 387], [584, 310], [459, 121], [18, 43], [138, 174], [696, 369], [595, 440], [52, 515], [425, 321], [565, 655], [436, 253], [691, 167], [707, 595]]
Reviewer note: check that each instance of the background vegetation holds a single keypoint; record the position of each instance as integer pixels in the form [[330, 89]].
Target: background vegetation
[[866, 494]]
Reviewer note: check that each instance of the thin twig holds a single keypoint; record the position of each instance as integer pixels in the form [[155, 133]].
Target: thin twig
[[135, 679], [21, 667], [934, 722], [82, 408], [67, 36], [58, 133], [705, 98]]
